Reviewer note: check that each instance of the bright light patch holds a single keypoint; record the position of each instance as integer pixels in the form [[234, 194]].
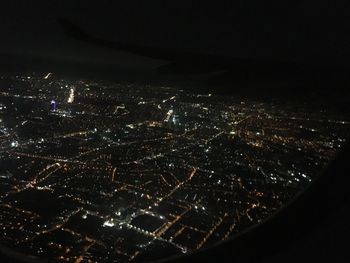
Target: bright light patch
[[108, 223], [71, 96], [48, 75]]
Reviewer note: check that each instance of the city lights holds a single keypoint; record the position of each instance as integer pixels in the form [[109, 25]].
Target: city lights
[[98, 171]]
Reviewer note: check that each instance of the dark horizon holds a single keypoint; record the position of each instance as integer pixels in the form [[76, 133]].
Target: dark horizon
[[312, 32]]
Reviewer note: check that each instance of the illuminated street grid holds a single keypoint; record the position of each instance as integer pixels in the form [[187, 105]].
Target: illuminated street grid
[[93, 171]]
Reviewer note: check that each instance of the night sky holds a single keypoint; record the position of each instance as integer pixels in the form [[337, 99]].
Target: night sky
[[286, 30]]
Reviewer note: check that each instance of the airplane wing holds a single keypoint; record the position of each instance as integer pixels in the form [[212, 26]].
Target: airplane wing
[[223, 69], [180, 62]]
